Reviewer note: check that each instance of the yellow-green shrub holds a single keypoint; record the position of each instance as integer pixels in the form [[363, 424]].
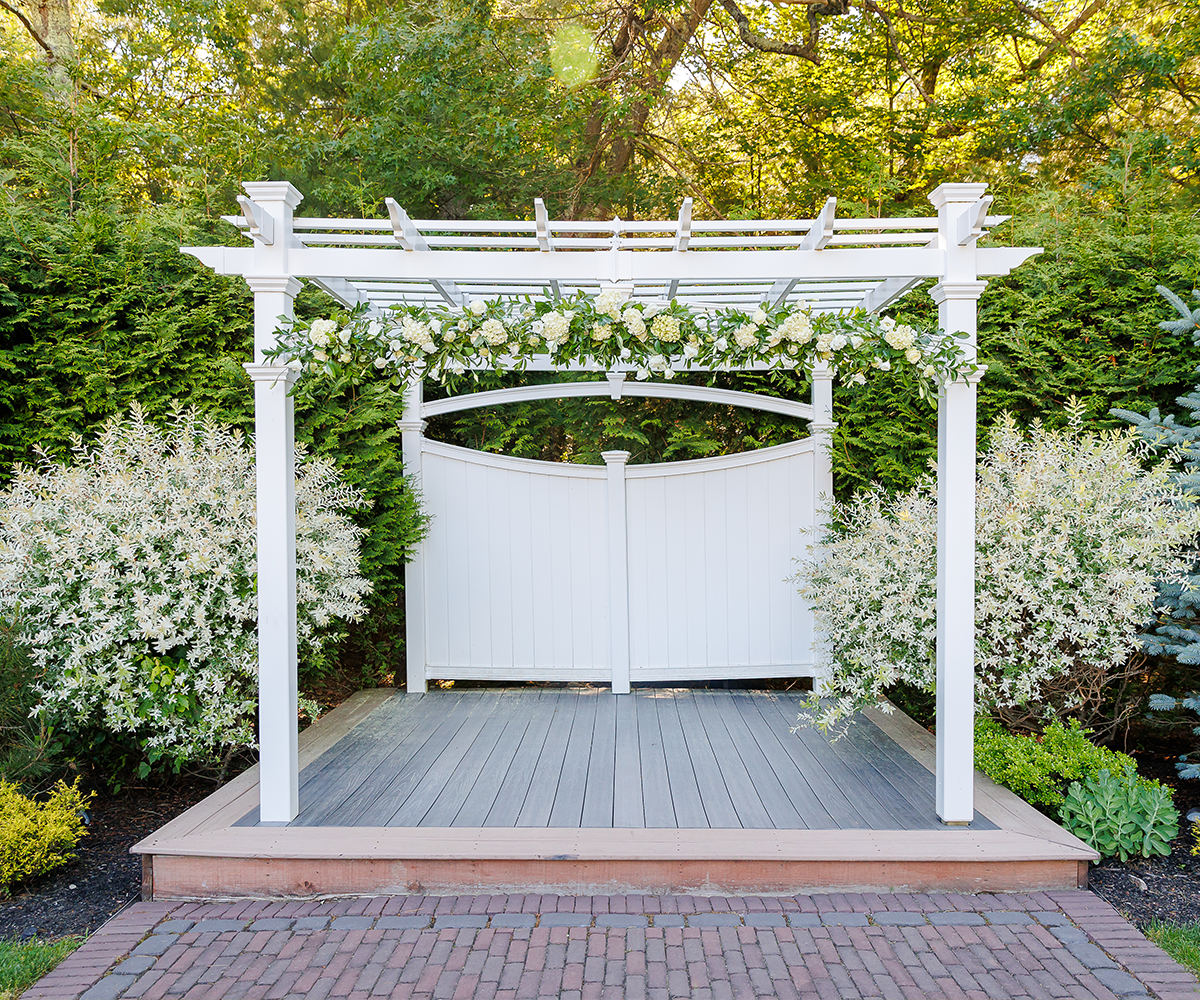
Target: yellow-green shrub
[[38, 836]]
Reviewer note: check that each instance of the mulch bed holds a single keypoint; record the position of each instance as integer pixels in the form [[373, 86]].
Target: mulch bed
[[104, 877]]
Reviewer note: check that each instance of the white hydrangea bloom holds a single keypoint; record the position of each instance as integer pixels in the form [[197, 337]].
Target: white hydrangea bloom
[[321, 331], [555, 329], [900, 337], [634, 323], [610, 301], [666, 328], [746, 335], [493, 332], [797, 328]]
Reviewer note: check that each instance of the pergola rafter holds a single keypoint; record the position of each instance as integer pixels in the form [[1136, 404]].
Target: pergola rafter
[[833, 263]]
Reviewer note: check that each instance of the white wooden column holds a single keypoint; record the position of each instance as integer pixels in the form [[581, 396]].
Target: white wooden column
[[275, 473], [269, 209], [821, 429], [618, 571], [412, 428], [956, 295]]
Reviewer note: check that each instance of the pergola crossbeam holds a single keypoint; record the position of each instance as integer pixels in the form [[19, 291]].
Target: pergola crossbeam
[[887, 292], [683, 236], [260, 225], [970, 222], [545, 244], [822, 229], [410, 237]]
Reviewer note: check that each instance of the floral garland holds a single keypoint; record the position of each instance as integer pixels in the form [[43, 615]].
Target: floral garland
[[609, 331]]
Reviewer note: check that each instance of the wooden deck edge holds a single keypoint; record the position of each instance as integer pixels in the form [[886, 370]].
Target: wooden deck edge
[[240, 794], [206, 878], [487, 843], [999, 804]]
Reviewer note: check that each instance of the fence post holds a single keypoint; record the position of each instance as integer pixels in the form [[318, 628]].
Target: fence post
[[821, 429], [411, 431], [618, 571]]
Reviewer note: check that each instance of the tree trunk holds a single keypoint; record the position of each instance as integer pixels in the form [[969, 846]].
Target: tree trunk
[[49, 24]]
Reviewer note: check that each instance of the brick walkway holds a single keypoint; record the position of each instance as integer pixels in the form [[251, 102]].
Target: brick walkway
[[1056, 944]]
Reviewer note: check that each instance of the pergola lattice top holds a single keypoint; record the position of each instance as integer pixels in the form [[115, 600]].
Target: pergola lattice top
[[834, 264]]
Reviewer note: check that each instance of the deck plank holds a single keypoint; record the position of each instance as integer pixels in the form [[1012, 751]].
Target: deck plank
[[718, 804], [905, 764], [514, 789], [354, 785], [598, 798], [872, 799], [567, 810], [752, 814], [909, 805], [685, 791], [535, 810], [804, 796], [628, 810], [656, 784], [373, 801], [779, 802], [492, 774], [360, 751], [476, 774], [452, 774], [838, 795]]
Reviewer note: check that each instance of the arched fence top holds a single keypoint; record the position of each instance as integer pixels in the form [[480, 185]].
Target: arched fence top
[[616, 387]]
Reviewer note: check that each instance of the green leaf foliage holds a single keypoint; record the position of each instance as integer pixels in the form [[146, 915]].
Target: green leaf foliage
[[100, 310], [1039, 768], [36, 837], [23, 963]]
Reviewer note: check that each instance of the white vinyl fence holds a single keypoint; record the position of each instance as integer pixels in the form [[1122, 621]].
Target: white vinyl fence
[[615, 573]]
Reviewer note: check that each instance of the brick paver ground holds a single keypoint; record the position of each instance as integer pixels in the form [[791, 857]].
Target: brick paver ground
[[1055, 944]]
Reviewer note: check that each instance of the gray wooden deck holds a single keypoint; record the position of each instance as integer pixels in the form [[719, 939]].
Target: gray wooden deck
[[583, 758]]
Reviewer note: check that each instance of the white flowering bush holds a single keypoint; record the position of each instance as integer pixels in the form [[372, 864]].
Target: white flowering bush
[[130, 574], [1072, 533], [609, 330]]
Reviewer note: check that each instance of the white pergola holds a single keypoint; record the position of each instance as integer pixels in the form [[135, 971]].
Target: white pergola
[[835, 264]]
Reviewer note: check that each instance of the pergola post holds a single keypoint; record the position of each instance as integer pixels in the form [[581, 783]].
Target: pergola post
[[956, 294], [411, 429], [270, 208], [821, 428]]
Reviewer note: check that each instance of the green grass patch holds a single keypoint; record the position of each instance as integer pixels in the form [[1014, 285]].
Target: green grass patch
[[23, 964], [1180, 941]]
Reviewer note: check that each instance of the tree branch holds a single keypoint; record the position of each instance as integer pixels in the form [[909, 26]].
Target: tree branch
[[875, 9], [805, 50], [30, 28], [1061, 38]]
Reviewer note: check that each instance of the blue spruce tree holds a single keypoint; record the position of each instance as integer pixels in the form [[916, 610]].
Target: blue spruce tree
[[1177, 629]]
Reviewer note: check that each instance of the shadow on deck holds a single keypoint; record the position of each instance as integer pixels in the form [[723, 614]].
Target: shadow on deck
[[574, 790]]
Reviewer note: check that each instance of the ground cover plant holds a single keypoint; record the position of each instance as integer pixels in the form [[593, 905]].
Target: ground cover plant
[[129, 576]]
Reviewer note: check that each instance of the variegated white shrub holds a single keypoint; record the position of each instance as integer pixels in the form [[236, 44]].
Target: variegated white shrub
[[1072, 533], [131, 571]]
